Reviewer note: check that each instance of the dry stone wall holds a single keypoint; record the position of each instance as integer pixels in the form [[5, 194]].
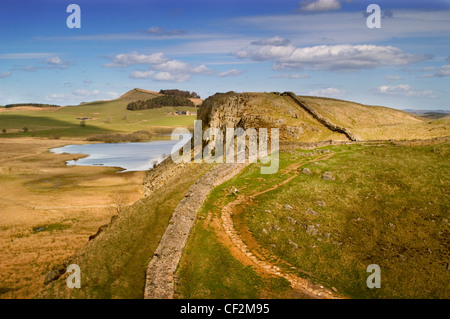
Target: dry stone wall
[[160, 272]]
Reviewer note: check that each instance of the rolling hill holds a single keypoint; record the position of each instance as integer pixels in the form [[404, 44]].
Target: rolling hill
[[103, 117]]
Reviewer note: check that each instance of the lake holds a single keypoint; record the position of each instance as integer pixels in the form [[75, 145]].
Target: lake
[[129, 156]]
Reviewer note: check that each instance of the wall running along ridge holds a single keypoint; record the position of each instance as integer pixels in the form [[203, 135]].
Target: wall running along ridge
[[321, 119], [160, 271]]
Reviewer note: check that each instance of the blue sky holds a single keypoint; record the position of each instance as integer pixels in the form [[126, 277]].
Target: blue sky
[[311, 47]]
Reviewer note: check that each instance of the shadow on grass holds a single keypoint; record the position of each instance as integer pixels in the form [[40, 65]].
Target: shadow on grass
[[41, 126]]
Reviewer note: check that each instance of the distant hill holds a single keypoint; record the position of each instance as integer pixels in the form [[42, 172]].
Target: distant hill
[[430, 114], [138, 94]]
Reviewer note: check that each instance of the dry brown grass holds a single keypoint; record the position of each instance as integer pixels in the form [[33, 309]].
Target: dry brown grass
[[377, 122], [38, 190]]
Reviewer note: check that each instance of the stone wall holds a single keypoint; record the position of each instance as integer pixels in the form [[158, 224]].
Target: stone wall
[[333, 127], [160, 272]]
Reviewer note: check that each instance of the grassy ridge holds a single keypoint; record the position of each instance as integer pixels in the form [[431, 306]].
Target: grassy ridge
[[104, 117], [388, 205]]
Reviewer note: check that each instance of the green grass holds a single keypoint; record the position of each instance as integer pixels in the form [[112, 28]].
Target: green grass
[[50, 227], [114, 264], [215, 274], [389, 205], [207, 268], [105, 117]]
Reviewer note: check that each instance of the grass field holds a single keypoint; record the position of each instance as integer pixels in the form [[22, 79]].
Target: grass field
[[104, 117], [48, 210], [388, 205], [114, 263], [51, 209]]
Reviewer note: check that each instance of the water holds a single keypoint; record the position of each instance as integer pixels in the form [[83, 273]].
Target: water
[[129, 156]]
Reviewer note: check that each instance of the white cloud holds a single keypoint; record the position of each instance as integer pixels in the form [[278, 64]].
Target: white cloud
[[330, 92], [127, 59], [232, 72], [86, 93], [404, 90], [56, 96], [331, 57], [166, 76], [80, 94], [5, 74], [277, 41], [319, 5], [393, 77], [113, 94], [16, 56], [142, 74], [57, 62], [443, 71], [164, 32], [291, 76], [169, 69]]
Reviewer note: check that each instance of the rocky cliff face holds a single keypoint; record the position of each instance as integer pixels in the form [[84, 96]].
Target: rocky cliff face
[[257, 110]]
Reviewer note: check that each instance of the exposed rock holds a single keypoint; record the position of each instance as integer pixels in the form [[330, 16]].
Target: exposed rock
[[288, 207], [99, 231], [320, 203], [292, 220], [294, 131], [55, 273], [328, 176], [312, 230], [290, 242], [306, 171], [312, 212]]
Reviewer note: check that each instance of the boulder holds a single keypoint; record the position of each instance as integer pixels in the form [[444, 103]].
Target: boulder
[[312, 212], [312, 230], [328, 176]]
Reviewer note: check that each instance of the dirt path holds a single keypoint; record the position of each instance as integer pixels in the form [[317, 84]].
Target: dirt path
[[245, 248]]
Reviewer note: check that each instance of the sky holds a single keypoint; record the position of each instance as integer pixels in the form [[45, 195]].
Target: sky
[[310, 47]]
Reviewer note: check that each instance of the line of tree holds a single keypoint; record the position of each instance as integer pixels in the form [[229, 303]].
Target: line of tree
[[158, 102], [176, 92], [31, 104]]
